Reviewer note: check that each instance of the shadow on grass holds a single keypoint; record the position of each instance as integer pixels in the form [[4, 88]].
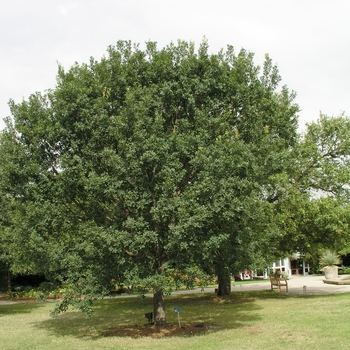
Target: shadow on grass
[[200, 314], [12, 308]]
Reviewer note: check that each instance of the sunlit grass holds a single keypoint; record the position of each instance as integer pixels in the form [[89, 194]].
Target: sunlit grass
[[249, 320]]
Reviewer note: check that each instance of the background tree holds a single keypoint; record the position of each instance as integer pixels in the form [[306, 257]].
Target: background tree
[[148, 161], [313, 199], [323, 157], [11, 253]]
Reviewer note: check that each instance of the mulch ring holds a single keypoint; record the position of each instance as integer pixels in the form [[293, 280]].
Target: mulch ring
[[168, 330]]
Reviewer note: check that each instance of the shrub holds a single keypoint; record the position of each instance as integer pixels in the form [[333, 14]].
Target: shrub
[[329, 258]]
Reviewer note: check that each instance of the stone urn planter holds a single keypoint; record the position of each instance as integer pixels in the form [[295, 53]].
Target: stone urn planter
[[330, 272], [329, 260]]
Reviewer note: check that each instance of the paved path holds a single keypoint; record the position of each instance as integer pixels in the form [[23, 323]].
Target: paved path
[[305, 285], [302, 285]]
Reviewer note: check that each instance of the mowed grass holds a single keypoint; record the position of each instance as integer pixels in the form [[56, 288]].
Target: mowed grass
[[251, 320]]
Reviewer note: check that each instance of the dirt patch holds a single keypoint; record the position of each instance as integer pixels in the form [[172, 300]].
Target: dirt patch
[[168, 330]]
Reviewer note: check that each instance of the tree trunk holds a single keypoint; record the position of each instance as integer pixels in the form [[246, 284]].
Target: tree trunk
[[224, 282], [159, 308], [9, 282]]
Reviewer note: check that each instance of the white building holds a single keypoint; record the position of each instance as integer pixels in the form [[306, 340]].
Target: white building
[[295, 267], [291, 266]]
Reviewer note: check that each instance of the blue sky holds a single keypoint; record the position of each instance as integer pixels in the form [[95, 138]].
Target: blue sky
[[308, 40]]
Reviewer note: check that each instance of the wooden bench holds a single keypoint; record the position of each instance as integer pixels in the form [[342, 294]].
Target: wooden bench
[[277, 282]]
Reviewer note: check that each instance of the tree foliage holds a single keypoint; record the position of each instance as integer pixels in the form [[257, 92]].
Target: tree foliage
[[146, 161], [313, 207], [323, 155]]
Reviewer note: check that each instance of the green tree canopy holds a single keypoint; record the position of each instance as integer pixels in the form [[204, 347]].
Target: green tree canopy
[[322, 155], [148, 160], [313, 199]]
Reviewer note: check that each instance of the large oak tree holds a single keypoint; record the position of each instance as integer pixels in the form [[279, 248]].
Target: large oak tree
[[147, 161]]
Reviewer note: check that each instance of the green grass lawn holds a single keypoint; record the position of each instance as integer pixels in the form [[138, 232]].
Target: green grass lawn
[[252, 320]]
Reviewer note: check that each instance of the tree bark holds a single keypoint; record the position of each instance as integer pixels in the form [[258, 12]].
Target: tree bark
[[224, 282], [9, 281], [159, 308]]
